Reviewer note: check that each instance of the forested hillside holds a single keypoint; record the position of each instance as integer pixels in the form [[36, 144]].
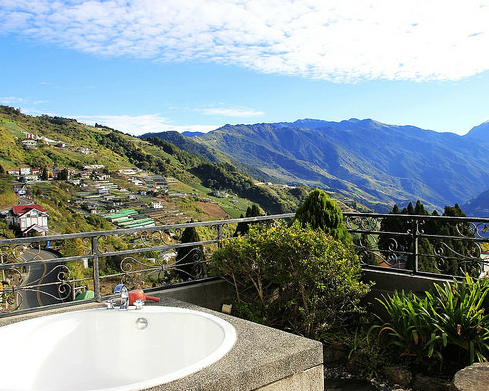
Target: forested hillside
[[207, 152]]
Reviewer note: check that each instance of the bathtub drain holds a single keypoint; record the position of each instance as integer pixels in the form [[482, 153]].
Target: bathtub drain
[[141, 323]]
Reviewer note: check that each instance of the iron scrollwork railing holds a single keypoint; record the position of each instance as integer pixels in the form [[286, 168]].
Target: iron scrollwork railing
[[60, 269], [450, 246], [44, 271]]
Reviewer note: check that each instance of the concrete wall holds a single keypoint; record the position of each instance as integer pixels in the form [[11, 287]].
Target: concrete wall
[[386, 282], [213, 294], [210, 294]]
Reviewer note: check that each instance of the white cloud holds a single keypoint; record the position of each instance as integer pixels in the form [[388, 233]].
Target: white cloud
[[328, 39], [230, 112], [140, 124], [10, 100]]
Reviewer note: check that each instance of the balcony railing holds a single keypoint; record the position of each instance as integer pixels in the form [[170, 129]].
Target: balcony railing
[[428, 245], [59, 270]]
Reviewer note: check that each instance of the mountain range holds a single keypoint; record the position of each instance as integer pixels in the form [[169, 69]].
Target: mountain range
[[374, 163]]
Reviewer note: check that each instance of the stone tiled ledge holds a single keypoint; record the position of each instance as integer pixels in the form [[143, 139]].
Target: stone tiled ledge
[[261, 356], [35, 314]]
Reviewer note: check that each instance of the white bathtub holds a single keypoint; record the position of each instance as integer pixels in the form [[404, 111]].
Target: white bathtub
[[110, 349]]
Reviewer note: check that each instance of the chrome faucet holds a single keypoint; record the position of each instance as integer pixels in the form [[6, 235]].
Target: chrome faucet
[[124, 296], [110, 304]]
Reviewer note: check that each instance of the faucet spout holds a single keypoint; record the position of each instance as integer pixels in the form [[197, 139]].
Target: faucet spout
[[124, 295]]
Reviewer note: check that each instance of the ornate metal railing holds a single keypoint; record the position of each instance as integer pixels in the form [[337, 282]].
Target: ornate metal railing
[[61, 269], [430, 245]]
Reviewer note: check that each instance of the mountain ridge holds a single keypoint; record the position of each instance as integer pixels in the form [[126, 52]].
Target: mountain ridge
[[479, 132], [375, 163]]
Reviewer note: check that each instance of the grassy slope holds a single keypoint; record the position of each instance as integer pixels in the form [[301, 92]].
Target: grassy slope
[[7, 195]]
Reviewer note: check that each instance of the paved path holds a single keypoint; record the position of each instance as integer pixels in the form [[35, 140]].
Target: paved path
[[36, 292]]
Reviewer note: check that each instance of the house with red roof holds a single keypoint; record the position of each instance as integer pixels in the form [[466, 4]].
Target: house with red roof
[[29, 219]]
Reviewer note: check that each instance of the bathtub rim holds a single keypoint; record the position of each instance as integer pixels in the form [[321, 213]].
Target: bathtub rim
[[227, 344]]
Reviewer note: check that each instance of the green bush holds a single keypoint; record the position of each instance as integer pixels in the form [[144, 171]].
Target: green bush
[[292, 278], [447, 327]]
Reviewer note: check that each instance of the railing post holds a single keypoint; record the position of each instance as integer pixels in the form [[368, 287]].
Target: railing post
[[96, 270], [16, 297], [415, 229], [219, 236]]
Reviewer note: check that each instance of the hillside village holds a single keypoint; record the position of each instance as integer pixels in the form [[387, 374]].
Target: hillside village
[[126, 198]]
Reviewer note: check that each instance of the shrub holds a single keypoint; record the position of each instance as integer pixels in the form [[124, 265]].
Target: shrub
[[292, 278], [447, 327]]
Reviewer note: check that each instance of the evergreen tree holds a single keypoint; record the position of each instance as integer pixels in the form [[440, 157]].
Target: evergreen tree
[[395, 248], [319, 212], [410, 209], [190, 259], [389, 243], [253, 211], [242, 228], [365, 250], [419, 209], [44, 174], [62, 175], [460, 257]]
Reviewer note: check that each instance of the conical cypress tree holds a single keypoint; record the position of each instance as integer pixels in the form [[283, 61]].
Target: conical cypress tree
[[320, 212], [189, 259], [243, 228]]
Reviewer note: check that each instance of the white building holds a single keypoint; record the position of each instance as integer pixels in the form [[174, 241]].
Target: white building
[[24, 170], [30, 219], [29, 144]]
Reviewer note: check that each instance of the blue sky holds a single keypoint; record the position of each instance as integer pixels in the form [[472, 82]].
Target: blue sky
[[154, 65]]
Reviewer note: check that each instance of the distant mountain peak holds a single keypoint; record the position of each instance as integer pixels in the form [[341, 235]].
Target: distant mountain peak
[[480, 132], [376, 162], [311, 123], [189, 133]]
